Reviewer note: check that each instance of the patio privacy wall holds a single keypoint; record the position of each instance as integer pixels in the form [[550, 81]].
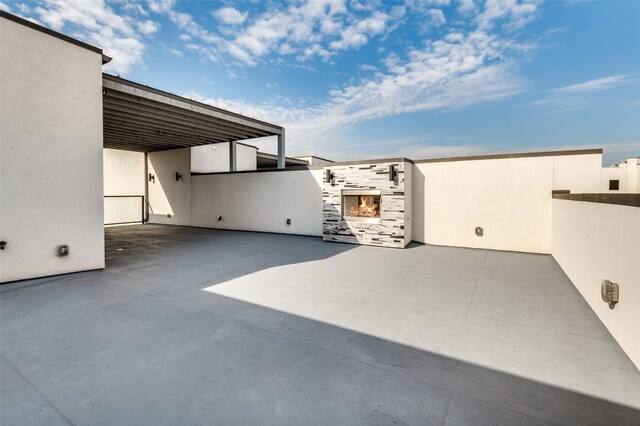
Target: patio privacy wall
[[50, 154], [260, 201], [169, 198], [124, 174], [510, 198], [592, 242], [255, 201]]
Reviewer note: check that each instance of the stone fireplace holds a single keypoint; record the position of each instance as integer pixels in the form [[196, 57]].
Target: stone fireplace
[[368, 202]]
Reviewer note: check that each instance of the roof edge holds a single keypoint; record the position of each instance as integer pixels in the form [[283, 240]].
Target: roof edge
[[374, 161], [277, 128], [37, 27]]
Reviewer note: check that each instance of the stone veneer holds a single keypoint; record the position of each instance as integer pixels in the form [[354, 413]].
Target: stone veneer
[[390, 231]]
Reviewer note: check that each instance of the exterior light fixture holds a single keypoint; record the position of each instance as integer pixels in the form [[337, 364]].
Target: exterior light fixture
[[178, 176], [393, 173], [152, 178], [610, 293], [63, 250], [328, 176], [288, 221]]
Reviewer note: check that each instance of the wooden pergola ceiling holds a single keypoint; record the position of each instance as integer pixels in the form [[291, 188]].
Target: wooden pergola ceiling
[[144, 119]]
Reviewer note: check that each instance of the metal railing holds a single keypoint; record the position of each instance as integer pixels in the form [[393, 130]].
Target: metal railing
[[124, 209]]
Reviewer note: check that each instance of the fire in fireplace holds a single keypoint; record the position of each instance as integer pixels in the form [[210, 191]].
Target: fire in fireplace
[[361, 205]]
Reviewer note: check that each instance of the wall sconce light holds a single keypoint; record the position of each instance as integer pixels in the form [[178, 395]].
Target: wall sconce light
[[178, 176], [63, 250], [610, 293], [2, 245], [479, 231], [393, 173], [328, 176], [288, 221], [219, 218], [152, 178], [104, 91]]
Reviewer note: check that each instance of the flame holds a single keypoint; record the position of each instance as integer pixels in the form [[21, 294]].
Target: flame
[[366, 208]]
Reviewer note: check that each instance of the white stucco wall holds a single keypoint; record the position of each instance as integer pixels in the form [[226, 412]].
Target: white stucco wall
[[123, 175], [577, 173], [260, 201], [633, 175], [123, 172], [246, 157], [593, 242], [510, 198], [614, 173], [170, 200], [50, 154], [214, 158]]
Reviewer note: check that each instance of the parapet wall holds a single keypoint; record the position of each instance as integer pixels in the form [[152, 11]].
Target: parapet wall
[[593, 241]]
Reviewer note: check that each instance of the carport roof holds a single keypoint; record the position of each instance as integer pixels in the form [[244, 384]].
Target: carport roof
[[144, 119]]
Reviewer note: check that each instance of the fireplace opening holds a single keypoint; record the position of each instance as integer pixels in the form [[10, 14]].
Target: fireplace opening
[[361, 205]]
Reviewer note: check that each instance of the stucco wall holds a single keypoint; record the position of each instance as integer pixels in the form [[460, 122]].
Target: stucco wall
[[50, 154], [614, 173], [593, 242], [170, 200], [214, 158], [260, 201], [123, 172], [510, 198]]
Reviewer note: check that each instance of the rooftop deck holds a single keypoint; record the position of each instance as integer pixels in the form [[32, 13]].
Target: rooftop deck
[[200, 326]]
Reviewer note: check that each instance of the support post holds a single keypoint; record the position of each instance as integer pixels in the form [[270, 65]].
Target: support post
[[233, 157], [281, 159]]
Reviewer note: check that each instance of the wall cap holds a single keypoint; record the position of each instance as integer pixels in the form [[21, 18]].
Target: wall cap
[[514, 155], [631, 200]]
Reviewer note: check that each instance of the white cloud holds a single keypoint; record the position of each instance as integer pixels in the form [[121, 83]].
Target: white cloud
[[184, 37], [148, 27], [161, 6], [451, 73], [5, 7], [467, 7], [96, 23], [576, 96], [230, 15], [514, 13], [175, 52], [306, 29], [435, 17], [594, 85]]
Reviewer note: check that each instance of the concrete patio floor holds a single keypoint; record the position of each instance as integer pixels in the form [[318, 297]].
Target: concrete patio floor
[[200, 326]]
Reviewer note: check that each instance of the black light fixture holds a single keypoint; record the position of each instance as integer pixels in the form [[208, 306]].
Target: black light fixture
[[219, 218], [393, 173], [152, 178], [288, 221], [328, 176], [63, 250], [178, 176]]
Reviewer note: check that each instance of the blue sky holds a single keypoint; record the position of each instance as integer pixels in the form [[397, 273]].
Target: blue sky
[[353, 79]]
